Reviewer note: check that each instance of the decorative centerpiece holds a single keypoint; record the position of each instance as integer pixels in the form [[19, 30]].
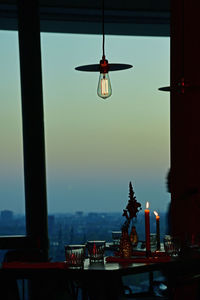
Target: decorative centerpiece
[[130, 213], [125, 247], [134, 236]]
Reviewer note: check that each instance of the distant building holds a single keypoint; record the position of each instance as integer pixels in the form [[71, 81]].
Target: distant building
[[79, 213], [6, 216], [51, 224], [93, 215]]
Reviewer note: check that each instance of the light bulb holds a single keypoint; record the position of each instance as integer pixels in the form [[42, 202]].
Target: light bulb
[[104, 89]]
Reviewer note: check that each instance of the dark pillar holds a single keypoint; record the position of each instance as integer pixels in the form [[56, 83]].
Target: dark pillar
[[185, 119], [33, 123]]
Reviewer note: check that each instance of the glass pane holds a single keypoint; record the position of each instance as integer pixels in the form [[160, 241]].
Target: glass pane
[[12, 205], [95, 147]]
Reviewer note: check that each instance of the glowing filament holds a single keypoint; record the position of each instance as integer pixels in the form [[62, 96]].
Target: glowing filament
[[104, 89], [104, 86]]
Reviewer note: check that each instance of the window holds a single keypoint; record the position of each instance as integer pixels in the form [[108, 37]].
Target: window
[[12, 207], [94, 147]]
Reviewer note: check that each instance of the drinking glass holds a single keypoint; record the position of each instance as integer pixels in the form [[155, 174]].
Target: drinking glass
[[75, 255], [96, 250], [116, 235], [153, 241], [171, 245]]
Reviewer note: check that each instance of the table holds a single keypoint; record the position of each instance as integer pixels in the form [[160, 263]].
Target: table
[[100, 281]]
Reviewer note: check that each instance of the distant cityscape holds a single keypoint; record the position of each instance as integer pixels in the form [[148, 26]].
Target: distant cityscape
[[77, 228]]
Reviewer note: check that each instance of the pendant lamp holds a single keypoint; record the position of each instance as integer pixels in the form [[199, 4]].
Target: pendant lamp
[[104, 89]]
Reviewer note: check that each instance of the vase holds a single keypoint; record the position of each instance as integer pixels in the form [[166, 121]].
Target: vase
[[125, 247], [133, 237]]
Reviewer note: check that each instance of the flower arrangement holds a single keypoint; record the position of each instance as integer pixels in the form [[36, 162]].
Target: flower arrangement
[[128, 242], [132, 209]]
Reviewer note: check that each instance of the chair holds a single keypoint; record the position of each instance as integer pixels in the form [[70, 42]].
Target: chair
[[9, 287], [38, 288]]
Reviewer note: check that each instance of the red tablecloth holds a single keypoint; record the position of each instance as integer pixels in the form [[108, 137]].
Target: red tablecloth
[[34, 265], [154, 259]]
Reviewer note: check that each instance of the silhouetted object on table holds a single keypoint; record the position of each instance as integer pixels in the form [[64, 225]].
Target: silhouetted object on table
[[132, 208]]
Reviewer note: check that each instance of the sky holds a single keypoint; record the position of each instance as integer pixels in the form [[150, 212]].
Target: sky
[[94, 147]]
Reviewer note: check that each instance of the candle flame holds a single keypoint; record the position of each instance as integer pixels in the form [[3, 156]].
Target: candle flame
[[147, 205], [155, 213]]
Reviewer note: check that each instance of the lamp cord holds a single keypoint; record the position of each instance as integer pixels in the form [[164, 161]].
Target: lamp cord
[[183, 29], [103, 28]]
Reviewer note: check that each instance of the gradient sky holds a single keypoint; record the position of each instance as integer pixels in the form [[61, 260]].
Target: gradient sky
[[94, 147]]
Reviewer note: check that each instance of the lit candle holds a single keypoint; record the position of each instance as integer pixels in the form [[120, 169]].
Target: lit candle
[[157, 230], [147, 229]]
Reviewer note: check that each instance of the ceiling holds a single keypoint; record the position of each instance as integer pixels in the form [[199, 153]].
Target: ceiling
[[127, 17]]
